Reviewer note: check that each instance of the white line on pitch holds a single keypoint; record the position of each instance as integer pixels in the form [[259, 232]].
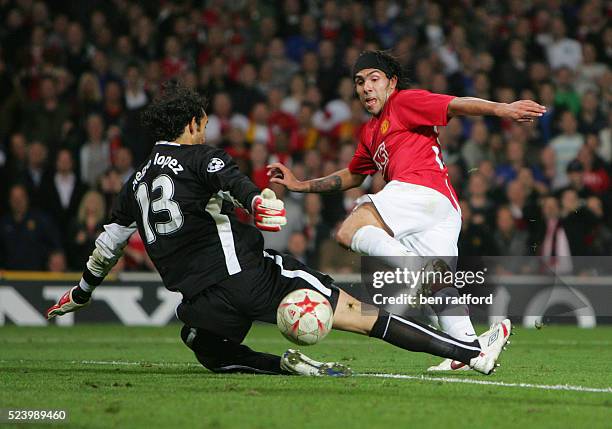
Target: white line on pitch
[[144, 364], [492, 383], [176, 340], [566, 387], [106, 362]]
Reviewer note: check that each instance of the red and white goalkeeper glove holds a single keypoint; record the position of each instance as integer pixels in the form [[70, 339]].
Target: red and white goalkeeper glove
[[66, 304], [269, 212]]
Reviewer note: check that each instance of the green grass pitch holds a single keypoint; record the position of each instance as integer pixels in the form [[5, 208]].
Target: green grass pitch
[[113, 376]]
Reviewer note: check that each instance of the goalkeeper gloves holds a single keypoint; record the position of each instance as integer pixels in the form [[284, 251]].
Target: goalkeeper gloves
[[73, 300], [269, 212]]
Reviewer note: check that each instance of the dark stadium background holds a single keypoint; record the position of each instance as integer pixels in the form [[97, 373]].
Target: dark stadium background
[[74, 77]]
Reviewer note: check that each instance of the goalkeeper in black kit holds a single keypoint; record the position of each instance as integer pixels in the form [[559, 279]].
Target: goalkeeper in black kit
[[182, 200]]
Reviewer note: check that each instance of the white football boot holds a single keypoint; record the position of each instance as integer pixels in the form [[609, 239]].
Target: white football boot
[[491, 340], [298, 363]]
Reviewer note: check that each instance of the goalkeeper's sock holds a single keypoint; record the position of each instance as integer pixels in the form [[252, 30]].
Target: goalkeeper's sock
[[80, 296], [411, 335]]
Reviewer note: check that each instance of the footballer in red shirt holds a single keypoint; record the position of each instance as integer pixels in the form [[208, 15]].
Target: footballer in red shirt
[[417, 212]]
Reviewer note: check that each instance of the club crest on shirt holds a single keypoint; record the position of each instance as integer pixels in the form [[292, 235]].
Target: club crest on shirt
[[384, 127]]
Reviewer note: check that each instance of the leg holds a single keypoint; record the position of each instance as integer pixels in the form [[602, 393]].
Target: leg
[[223, 355], [406, 333], [364, 231], [214, 329], [454, 319], [441, 240], [352, 315]]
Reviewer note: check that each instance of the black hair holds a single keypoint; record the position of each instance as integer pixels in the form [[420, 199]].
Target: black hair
[[388, 63], [169, 114]]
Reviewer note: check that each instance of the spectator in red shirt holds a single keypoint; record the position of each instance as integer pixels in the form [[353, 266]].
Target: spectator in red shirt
[[595, 176], [173, 64], [259, 162]]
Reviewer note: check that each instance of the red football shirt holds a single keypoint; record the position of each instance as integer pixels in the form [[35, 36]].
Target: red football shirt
[[402, 141]]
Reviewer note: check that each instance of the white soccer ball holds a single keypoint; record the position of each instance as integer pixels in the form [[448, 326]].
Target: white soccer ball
[[304, 317]]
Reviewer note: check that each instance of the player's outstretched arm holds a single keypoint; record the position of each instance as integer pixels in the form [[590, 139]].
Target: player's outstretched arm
[[520, 111], [223, 175], [341, 180], [109, 248]]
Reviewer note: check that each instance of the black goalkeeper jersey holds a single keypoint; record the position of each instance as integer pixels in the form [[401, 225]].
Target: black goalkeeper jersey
[[182, 200]]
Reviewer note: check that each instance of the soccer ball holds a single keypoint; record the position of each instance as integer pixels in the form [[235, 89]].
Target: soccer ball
[[304, 317]]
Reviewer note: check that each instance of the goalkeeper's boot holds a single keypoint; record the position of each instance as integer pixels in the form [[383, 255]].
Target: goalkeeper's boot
[[298, 363], [500, 331]]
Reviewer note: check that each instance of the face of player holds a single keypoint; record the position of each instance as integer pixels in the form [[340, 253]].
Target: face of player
[[199, 135], [374, 89]]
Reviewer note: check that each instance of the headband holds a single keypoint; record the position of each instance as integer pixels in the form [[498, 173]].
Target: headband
[[371, 60]]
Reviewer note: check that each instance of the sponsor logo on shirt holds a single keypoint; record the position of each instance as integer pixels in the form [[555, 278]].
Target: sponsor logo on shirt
[[381, 157]]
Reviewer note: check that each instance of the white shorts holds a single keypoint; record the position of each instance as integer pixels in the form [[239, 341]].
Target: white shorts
[[421, 218]]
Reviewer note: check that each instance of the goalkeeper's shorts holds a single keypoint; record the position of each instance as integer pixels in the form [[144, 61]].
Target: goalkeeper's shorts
[[229, 308]]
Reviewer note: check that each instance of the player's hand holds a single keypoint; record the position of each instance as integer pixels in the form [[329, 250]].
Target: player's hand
[[66, 304], [280, 174], [522, 111], [269, 211]]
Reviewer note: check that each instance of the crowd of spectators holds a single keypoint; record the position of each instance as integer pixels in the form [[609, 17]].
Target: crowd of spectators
[[75, 76]]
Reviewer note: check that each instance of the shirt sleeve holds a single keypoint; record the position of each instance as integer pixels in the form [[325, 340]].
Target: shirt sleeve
[[110, 243], [416, 107], [221, 174], [122, 212], [362, 162]]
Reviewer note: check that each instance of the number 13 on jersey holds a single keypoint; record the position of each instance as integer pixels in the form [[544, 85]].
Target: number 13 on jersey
[[164, 203]]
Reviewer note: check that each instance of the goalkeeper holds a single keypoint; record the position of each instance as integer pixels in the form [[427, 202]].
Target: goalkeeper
[[182, 200]]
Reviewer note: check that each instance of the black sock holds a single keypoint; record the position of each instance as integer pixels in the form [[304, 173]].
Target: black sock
[[411, 335], [80, 296]]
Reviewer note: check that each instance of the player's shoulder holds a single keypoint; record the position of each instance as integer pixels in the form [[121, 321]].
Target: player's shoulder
[[193, 154], [214, 158], [407, 94], [206, 151], [211, 159], [192, 157]]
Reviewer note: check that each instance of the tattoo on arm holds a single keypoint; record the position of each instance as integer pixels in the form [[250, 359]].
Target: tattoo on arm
[[326, 184]]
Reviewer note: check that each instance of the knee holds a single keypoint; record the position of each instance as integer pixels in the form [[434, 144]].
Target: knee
[[344, 235], [188, 335], [364, 215], [203, 351]]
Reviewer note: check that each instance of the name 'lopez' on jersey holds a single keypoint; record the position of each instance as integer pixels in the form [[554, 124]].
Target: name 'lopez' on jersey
[[162, 161]]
